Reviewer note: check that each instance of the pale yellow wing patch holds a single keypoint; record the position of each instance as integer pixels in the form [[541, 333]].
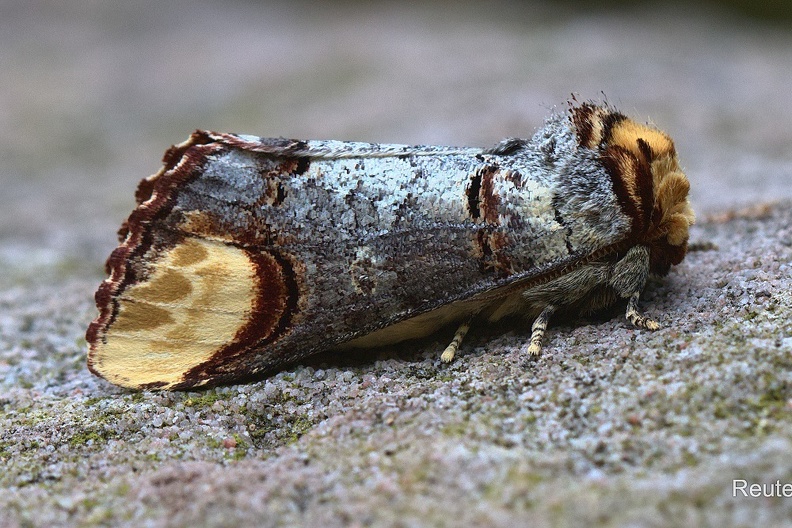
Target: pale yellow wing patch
[[199, 295]]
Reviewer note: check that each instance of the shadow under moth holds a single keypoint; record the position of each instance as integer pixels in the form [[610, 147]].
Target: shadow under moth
[[245, 254]]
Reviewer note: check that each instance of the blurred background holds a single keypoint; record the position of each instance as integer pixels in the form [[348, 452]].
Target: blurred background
[[93, 92]]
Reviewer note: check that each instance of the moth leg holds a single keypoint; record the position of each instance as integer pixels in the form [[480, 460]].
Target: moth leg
[[450, 350], [636, 318], [629, 279], [538, 329]]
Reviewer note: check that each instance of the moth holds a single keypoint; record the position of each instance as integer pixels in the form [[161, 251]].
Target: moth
[[245, 254]]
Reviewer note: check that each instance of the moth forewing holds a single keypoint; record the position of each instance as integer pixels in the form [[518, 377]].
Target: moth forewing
[[245, 254]]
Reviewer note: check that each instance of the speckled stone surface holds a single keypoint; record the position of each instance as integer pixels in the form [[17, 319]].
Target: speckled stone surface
[[611, 426]]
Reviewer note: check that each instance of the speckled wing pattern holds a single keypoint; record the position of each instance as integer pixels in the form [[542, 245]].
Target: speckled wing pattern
[[246, 253]]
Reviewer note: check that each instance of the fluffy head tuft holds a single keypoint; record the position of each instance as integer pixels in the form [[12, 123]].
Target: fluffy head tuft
[[651, 188]]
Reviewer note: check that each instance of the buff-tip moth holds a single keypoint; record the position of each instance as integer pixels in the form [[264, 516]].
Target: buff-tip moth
[[245, 254]]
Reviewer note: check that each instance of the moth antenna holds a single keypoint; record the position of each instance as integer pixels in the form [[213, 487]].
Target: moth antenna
[[636, 318], [538, 330], [451, 349]]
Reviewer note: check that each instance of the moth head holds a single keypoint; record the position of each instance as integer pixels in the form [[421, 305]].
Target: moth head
[[651, 187], [660, 190]]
